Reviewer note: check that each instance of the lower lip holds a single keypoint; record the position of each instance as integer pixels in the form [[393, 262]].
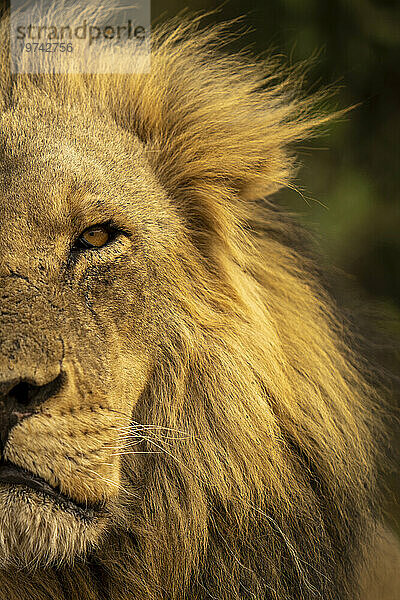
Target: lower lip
[[17, 476]]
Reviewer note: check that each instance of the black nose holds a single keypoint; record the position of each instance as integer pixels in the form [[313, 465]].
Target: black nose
[[20, 398], [24, 393]]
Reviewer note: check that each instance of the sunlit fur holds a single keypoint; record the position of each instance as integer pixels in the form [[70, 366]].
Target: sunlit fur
[[255, 472]]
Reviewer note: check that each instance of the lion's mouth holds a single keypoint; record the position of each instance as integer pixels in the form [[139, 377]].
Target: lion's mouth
[[14, 475]]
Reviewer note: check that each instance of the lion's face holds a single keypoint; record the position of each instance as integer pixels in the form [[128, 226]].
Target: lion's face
[[77, 324]]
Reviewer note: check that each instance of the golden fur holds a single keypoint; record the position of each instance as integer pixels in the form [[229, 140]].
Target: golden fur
[[211, 404]]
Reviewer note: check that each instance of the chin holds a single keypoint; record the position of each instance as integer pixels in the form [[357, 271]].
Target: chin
[[41, 530]]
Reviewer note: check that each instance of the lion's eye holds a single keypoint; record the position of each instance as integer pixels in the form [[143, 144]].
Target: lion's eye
[[94, 237]]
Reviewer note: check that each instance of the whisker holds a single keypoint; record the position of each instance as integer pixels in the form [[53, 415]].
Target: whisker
[[163, 450], [123, 453]]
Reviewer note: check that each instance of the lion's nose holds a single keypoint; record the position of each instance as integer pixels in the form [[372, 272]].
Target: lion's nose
[[27, 392], [20, 398]]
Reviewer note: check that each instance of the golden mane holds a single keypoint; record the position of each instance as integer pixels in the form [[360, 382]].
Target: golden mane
[[267, 487]]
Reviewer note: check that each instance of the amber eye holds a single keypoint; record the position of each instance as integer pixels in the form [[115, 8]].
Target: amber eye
[[94, 237]]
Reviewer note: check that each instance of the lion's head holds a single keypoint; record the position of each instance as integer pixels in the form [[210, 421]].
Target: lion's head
[[180, 412]]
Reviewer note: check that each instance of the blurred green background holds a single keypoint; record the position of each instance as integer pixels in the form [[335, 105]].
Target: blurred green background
[[350, 176]]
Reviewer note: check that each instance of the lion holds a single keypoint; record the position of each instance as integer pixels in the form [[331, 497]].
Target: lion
[[182, 413]]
